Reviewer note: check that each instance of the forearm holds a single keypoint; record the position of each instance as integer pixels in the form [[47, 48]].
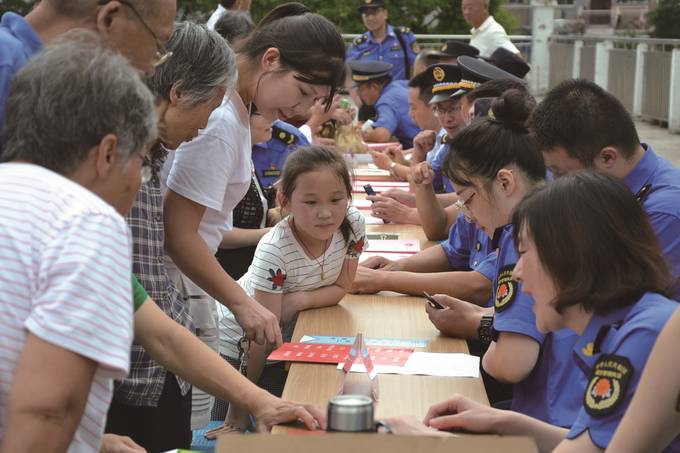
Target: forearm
[[378, 135], [432, 214], [193, 257], [402, 171], [242, 237], [326, 296], [185, 355], [511, 358], [546, 436], [465, 285], [432, 259], [447, 199]]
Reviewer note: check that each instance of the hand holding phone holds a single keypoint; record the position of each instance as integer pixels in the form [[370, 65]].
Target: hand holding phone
[[433, 303], [370, 192]]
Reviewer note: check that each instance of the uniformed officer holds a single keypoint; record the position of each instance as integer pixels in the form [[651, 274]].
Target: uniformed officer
[[376, 88], [383, 42], [446, 81], [451, 50], [269, 157]]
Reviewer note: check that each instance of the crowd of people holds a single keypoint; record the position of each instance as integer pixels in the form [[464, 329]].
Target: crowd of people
[[171, 198]]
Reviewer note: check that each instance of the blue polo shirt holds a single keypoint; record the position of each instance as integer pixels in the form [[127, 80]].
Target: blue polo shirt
[[441, 183], [552, 392], [269, 157], [392, 111], [469, 248], [365, 47], [18, 43], [611, 354], [656, 183]]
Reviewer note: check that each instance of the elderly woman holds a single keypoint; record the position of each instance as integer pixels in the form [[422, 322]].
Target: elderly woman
[[69, 172], [152, 405]]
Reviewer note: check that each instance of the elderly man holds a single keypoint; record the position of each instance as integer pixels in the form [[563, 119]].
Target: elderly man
[[487, 34], [68, 173], [135, 28]]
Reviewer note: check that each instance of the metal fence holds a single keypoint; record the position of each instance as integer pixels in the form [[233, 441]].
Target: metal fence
[[656, 88], [621, 81], [651, 85]]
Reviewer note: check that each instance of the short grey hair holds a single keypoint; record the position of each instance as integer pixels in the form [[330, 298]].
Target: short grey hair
[[201, 65], [68, 98]]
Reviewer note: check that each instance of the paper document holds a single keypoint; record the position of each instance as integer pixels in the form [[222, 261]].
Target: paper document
[[430, 364]]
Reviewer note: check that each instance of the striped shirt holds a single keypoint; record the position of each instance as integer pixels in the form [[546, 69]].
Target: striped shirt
[[65, 278], [281, 266], [144, 385]]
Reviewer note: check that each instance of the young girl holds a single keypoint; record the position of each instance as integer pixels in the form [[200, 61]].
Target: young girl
[[306, 261], [291, 59], [590, 259]]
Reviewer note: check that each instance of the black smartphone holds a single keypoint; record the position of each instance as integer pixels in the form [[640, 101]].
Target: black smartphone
[[433, 303], [369, 191]]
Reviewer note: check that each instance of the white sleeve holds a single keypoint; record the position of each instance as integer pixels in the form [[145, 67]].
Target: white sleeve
[[84, 300], [201, 169], [268, 271], [307, 132], [357, 241]]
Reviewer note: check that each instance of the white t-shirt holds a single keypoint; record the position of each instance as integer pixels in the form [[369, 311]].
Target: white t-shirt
[[281, 265], [490, 36], [216, 15], [213, 169], [65, 266]]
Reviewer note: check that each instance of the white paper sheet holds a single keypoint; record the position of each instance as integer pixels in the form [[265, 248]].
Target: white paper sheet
[[430, 364]]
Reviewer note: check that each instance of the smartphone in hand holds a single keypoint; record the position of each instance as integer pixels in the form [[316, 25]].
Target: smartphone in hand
[[433, 303], [370, 192]]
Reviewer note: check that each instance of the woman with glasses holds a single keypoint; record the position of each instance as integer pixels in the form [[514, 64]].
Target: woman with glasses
[[493, 164], [291, 59], [591, 261]]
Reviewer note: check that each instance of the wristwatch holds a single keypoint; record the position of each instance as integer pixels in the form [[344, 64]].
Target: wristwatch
[[485, 329], [392, 166]]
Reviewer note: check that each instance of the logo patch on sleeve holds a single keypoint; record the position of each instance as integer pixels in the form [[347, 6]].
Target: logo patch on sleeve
[[608, 385], [506, 291]]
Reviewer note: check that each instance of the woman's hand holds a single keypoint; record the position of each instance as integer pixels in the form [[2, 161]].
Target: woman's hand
[[113, 443], [269, 411], [389, 209], [411, 426], [422, 174], [461, 413]]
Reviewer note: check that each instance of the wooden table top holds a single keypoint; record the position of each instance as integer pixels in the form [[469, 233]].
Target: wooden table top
[[384, 315]]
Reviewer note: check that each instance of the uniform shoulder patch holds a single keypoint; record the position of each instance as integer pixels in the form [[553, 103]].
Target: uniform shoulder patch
[[608, 385], [445, 138], [506, 290], [359, 40], [403, 29], [283, 136]]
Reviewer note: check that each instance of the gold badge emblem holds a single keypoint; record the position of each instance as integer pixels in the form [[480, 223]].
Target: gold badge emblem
[[506, 288], [438, 74], [608, 385]]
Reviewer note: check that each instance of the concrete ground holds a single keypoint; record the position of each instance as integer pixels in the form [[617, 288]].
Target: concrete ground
[[663, 142]]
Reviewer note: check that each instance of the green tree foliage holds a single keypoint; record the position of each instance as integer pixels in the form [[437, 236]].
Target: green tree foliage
[[665, 19], [422, 16]]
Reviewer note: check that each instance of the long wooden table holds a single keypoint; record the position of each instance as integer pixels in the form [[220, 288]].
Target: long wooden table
[[387, 316]]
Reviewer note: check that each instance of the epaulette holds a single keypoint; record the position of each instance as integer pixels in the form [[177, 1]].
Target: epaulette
[[403, 29], [360, 40], [284, 136], [445, 138]]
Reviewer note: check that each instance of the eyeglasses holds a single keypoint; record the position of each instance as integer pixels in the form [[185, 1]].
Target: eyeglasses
[[162, 54], [439, 111], [462, 206]]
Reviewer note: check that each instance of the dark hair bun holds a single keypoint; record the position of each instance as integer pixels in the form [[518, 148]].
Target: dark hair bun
[[284, 10], [512, 109]]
